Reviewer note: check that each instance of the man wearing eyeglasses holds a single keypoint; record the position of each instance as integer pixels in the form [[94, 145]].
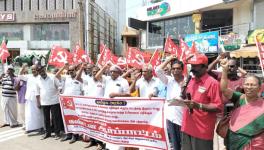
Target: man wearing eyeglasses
[[235, 74]]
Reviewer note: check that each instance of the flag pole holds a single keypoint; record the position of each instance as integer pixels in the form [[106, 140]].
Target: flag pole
[[259, 45], [164, 47], [152, 56], [100, 55]]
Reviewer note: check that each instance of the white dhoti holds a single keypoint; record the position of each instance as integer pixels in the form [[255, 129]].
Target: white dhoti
[[33, 116], [21, 111], [9, 106]]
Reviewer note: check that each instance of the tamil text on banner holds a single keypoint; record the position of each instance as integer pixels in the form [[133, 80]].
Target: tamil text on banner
[[129, 122]]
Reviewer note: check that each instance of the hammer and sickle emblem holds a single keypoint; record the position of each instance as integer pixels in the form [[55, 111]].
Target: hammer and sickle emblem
[[61, 57]]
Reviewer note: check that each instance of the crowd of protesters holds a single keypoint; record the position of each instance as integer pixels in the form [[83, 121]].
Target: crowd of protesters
[[194, 103]]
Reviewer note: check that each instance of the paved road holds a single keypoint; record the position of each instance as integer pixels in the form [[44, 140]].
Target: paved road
[[16, 139]]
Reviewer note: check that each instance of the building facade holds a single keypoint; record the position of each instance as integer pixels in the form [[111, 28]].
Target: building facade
[[105, 19], [181, 17], [37, 25]]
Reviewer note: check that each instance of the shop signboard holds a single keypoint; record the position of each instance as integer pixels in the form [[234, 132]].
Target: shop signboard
[[231, 41], [205, 42], [252, 34], [158, 9], [6, 17]]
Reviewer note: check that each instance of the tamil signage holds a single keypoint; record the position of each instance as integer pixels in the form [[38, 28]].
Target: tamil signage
[[59, 15], [230, 41], [159, 9], [129, 122], [4, 17], [205, 42]]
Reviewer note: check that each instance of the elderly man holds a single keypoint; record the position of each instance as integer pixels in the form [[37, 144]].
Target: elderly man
[[115, 86], [71, 87], [9, 98], [47, 95], [33, 115], [147, 85], [199, 117]]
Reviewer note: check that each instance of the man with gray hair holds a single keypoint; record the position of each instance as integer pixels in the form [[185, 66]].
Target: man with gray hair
[[115, 86], [147, 85]]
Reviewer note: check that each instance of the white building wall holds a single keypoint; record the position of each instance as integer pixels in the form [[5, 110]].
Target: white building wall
[[117, 10], [242, 13]]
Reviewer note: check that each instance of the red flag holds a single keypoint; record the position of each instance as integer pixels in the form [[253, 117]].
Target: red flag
[[185, 50], [105, 56], [172, 48], [120, 61], [101, 48], [59, 56], [136, 58], [156, 59], [261, 53], [79, 55], [4, 52]]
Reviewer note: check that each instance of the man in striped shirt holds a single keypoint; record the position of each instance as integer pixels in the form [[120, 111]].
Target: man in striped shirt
[[9, 99]]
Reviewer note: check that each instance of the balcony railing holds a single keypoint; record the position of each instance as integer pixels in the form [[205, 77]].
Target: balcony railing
[[241, 29]]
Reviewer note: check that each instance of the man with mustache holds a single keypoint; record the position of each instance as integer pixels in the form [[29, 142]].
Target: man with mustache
[[199, 117]]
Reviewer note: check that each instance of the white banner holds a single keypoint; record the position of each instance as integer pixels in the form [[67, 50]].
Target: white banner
[[129, 122]]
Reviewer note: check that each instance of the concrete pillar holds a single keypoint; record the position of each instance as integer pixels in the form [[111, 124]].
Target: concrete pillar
[[68, 4], [124, 45], [42, 5], [196, 18], [59, 4], [26, 5], [9, 5], [34, 4], [18, 5], [2, 6], [51, 4]]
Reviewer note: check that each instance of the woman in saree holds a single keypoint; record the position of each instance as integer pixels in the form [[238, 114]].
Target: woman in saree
[[246, 125]]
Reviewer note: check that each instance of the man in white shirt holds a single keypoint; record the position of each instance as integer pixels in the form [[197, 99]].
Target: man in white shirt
[[91, 87], [94, 88], [147, 85], [173, 113], [115, 86], [33, 115], [47, 95], [70, 87]]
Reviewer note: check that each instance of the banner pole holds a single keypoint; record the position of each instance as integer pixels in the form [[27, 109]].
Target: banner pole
[[259, 46]]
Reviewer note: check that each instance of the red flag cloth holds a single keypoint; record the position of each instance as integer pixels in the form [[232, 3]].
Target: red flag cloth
[[101, 48], [120, 61], [105, 56], [79, 55], [172, 48], [261, 53], [59, 56], [136, 58], [4, 52], [156, 59], [185, 50]]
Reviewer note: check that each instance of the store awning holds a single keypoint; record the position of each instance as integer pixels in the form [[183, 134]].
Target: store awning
[[245, 52], [130, 32]]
